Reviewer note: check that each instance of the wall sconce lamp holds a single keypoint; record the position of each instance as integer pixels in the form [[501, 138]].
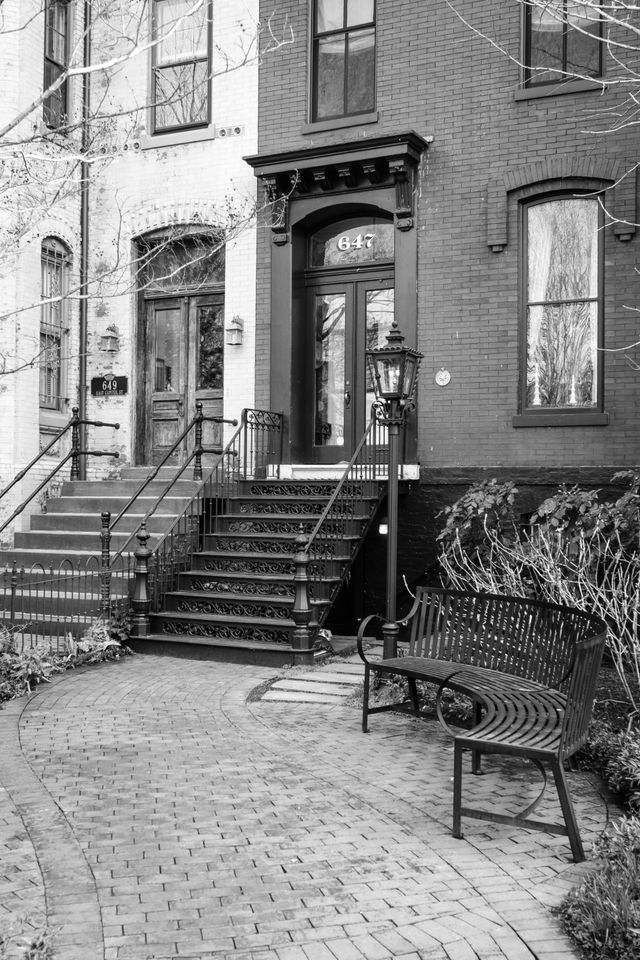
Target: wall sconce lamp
[[110, 340], [234, 331]]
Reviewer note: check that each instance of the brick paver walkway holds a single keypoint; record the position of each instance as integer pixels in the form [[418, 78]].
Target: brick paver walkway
[[151, 812]]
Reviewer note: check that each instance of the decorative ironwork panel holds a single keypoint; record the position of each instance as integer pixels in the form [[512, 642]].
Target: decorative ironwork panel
[[204, 629]]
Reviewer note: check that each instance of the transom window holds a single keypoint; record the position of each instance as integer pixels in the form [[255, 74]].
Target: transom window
[[563, 39], [181, 74], [56, 61], [55, 262], [563, 323], [344, 45]]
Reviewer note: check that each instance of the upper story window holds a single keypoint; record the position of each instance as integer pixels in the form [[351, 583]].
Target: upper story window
[[562, 40], [55, 265], [56, 60], [562, 246], [344, 50], [181, 74]]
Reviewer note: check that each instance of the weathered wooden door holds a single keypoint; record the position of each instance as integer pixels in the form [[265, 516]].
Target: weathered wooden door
[[184, 348]]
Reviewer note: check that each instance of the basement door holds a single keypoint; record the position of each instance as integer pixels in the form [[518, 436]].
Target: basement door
[[184, 363], [348, 317]]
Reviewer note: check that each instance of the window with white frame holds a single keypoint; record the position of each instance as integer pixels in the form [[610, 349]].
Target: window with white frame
[[56, 61], [55, 265], [562, 305], [181, 65]]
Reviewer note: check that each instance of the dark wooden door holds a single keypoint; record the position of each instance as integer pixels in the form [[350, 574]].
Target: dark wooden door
[[184, 363], [347, 317]]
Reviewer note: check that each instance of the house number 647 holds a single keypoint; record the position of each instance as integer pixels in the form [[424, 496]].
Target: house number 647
[[356, 243]]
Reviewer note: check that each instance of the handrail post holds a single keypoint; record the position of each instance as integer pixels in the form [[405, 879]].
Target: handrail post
[[302, 613], [141, 603], [14, 585], [199, 417], [105, 565], [75, 444]]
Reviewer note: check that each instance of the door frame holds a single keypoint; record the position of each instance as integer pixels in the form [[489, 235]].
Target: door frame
[[189, 300], [354, 283]]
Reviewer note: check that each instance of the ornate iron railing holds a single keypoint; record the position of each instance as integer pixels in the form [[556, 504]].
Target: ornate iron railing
[[75, 454], [254, 451], [333, 542]]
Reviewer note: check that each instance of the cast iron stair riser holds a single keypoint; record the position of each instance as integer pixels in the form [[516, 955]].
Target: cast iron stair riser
[[240, 588]]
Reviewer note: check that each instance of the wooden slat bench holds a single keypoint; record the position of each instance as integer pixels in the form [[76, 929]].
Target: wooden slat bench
[[530, 669]]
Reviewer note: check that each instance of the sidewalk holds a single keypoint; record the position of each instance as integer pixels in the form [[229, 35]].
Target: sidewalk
[[149, 811]]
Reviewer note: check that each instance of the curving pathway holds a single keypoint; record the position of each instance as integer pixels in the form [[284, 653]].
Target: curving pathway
[[150, 811]]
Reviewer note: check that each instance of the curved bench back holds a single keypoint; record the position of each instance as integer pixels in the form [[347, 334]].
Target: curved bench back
[[528, 638]]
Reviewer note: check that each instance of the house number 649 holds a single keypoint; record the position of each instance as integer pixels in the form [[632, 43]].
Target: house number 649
[[356, 243]]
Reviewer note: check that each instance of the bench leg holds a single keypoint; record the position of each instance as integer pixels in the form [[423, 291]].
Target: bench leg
[[457, 789], [413, 693], [365, 700], [476, 755], [568, 812]]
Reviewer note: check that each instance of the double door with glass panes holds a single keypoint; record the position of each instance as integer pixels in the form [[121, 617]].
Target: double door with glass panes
[[184, 339], [349, 316]]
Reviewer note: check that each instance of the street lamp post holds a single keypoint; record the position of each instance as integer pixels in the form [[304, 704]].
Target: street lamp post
[[394, 370]]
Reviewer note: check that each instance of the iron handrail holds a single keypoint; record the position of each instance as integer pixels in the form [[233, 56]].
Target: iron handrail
[[75, 422], [176, 545], [52, 473], [196, 454], [371, 427]]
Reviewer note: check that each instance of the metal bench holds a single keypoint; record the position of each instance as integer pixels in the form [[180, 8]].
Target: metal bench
[[530, 669]]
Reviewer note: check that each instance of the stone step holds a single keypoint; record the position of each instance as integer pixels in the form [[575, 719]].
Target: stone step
[[90, 522], [222, 648], [114, 504], [126, 488], [73, 541]]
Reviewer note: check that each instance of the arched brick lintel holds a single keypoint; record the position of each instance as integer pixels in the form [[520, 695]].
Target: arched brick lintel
[[614, 172]]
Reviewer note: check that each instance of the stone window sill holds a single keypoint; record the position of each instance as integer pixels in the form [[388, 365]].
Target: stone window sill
[[560, 88], [339, 123], [585, 418]]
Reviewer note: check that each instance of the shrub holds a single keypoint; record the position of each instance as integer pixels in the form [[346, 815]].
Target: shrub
[[22, 670], [602, 915], [577, 550]]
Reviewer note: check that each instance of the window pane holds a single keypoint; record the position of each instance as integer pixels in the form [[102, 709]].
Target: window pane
[[359, 11], [546, 28], [379, 312], [562, 356], [583, 40], [210, 347], [182, 95], [563, 250], [185, 34], [361, 72], [330, 77], [329, 370], [56, 39], [168, 345], [330, 15], [352, 241], [182, 263]]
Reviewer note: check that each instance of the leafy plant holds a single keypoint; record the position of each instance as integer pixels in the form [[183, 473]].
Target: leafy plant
[[489, 505], [603, 913]]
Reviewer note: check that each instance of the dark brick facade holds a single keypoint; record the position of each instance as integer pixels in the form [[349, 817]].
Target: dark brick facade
[[490, 147]]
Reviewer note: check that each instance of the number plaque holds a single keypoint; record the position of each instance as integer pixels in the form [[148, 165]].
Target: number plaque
[[109, 386]]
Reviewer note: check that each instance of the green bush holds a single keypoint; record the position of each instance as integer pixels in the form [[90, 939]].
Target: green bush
[[602, 915], [615, 756]]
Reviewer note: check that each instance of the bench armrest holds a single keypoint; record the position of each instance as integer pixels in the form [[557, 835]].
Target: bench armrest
[[361, 632]]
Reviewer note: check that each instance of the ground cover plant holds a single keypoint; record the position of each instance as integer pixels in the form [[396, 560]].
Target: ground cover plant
[[23, 667], [582, 549]]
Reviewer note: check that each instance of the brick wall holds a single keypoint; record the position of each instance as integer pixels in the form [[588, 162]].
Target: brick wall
[[439, 78]]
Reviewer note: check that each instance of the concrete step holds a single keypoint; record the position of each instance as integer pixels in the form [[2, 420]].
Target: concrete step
[[223, 648], [125, 488], [114, 504]]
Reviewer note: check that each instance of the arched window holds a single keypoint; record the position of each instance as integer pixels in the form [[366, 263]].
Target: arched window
[[54, 325], [562, 303]]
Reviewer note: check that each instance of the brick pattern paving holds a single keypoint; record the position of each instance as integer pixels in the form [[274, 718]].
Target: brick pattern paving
[[203, 826]]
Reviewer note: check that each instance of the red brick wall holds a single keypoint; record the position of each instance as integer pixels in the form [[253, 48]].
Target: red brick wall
[[439, 78]]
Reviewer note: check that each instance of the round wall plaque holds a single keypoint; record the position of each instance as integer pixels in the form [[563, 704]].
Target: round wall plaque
[[443, 377]]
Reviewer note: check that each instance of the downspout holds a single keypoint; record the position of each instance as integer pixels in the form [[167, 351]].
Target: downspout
[[84, 237]]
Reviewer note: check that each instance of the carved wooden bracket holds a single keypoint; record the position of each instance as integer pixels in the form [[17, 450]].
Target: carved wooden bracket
[[333, 169]]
